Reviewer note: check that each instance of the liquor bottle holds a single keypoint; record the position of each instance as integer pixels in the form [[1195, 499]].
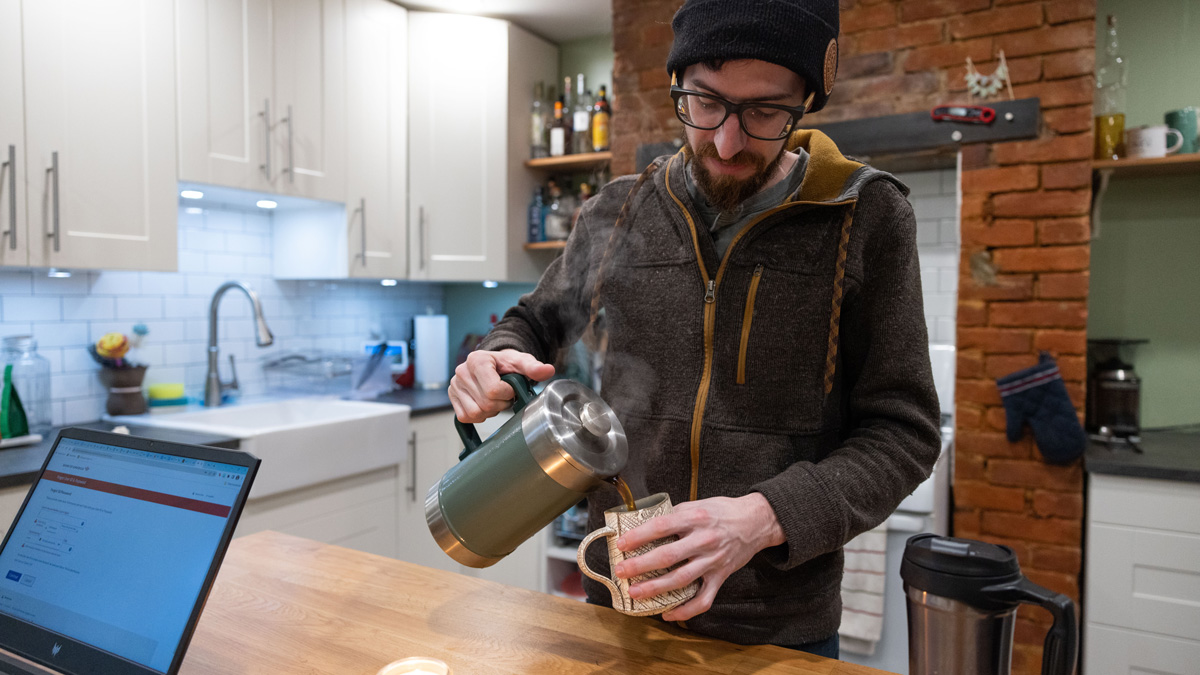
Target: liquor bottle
[[536, 214], [581, 118], [560, 132], [1111, 80], [600, 121], [558, 215], [537, 125]]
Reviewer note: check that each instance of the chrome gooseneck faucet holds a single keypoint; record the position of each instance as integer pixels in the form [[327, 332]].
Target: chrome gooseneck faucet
[[213, 386]]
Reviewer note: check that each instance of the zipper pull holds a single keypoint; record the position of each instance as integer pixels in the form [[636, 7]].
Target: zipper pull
[[758, 270], [711, 296]]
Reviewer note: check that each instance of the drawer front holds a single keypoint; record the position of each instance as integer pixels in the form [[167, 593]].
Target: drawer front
[[1114, 651], [1144, 502], [1144, 579]]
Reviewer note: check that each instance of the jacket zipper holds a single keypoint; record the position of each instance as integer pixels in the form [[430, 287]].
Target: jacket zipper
[[710, 313], [747, 318]]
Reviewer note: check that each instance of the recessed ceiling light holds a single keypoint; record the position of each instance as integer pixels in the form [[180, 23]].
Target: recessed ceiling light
[[191, 194], [266, 204]]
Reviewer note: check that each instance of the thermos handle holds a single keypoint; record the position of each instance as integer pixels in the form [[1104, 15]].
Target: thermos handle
[[522, 386], [1061, 648], [583, 567]]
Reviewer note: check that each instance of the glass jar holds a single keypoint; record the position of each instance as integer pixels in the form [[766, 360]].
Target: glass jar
[[31, 379]]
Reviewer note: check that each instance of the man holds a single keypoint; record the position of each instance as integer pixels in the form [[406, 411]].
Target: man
[[767, 352]]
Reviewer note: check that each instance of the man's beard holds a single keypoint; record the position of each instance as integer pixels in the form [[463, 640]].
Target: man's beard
[[726, 192]]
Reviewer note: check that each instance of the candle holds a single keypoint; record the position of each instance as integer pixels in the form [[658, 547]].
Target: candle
[[416, 665]]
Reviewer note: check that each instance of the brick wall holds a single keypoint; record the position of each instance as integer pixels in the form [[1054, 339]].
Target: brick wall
[[1024, 229]]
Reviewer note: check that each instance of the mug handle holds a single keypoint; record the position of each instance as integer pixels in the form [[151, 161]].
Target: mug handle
[[1175, 148], [579, 557]]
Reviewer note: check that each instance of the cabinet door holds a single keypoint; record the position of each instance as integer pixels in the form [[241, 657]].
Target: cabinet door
[[14, 243], [457, 157], [432, 451], [100, 125], [309, 52], [224, 53], [376, 177]]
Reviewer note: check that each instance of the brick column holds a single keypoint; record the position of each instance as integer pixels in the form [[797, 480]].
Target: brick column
[[1025, 234]]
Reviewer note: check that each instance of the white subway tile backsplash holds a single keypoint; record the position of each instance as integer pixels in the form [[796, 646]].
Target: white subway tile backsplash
[[163, 331], [54, 356], [16, 328], [83, 409], [191, 262], [88, 307], [203, 284], [67, 334], [947, 280], [225, 220], [257, 264], [928, 232], [185, 308], [140, 308], [223, 263], [162, 283], [184, 354], [935, 203], [946, 330], [203, 240], [31, 308], [76, 284], [16, 282], [922, 183], [248, 244], [935, 207], [114, 283], [71, 385], [75, 359]]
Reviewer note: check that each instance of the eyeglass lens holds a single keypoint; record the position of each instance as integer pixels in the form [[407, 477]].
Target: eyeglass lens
[[709, 113]]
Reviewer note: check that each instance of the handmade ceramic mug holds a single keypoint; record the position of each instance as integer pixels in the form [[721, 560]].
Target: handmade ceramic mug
[[1184, 121], [618, 520], [1151, 141]]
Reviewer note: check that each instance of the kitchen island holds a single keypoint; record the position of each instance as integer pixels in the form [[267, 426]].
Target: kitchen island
[[284, 604]]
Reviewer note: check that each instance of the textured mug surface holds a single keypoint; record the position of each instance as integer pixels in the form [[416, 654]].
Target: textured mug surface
[[618, 521]]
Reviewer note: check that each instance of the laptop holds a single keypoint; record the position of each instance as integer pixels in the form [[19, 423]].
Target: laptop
[[111, 557]]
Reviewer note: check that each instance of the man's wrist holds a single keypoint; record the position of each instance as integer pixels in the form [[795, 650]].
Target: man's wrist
[[770, 531]]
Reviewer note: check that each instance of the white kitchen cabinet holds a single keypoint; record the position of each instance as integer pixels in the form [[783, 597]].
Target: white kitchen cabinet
[[14, 243], [262, 95], [357, 512], [376, 141], [437, 446], [471, 81], [99, 132], [1142, 591]]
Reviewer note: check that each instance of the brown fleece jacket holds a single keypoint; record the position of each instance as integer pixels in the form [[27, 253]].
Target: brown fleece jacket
[[797, 366]]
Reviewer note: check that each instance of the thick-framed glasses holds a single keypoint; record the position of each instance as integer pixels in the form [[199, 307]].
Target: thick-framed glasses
[[764, 121]]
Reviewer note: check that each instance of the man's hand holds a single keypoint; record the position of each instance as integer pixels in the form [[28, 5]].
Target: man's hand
[[717, 536], [476, 390]]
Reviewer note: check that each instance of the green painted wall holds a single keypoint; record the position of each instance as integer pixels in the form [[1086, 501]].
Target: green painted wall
[[1145, 272], [469, 306], [591, 56], [1161, 39]]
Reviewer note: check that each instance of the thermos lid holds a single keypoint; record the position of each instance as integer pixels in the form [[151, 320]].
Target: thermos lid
[[960, 569], [574, 435]]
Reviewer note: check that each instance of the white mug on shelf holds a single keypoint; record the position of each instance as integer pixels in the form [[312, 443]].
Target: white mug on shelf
[[1151, 141]]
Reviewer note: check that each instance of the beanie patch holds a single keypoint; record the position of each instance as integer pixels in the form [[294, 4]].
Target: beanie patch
[[831, 61]]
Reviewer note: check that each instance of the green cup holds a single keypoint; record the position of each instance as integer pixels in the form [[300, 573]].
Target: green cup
[[1184, 120]]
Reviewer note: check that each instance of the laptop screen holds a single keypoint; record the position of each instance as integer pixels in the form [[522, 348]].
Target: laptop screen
[[114, 545]]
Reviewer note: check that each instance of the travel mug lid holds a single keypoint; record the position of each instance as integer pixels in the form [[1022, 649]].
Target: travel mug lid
[[960, 569], [574, 435]]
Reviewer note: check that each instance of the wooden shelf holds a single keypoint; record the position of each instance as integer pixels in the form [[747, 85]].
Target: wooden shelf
[[557, 245], [1152, 166], [587, 160]]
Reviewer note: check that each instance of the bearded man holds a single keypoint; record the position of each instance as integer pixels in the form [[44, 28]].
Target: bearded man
[[767, 352]]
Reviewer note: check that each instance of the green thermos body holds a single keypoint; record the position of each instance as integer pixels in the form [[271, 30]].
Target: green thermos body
[[557, 447]]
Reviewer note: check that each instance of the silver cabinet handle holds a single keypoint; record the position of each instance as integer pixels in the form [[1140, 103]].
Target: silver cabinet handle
[[266, 117], [412, 485], [421, 237], [291, 149], [11, 166], [362, 212], [53, 234]]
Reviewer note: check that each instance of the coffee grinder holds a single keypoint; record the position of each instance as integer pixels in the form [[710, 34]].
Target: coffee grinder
[[1113, 394]]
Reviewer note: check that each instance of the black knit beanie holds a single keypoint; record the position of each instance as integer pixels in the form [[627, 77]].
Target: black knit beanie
[[800, 35]]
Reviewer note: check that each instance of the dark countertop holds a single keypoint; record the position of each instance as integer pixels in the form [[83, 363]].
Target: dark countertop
[[1167, 455], [422, 401], [19, 465]]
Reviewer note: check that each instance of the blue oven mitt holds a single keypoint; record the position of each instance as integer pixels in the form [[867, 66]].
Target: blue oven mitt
[[1037, 395]]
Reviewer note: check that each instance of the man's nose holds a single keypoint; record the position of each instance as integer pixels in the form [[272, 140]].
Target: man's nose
[[730, 140]]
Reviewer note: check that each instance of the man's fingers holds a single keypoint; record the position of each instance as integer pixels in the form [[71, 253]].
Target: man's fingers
[[513, 361], [651, 530], [697, 605]]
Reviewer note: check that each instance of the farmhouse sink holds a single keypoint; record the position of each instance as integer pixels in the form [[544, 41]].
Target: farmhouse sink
[[300, 441]]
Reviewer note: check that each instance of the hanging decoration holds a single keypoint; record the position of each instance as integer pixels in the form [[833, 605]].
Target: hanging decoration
[[986, 86]]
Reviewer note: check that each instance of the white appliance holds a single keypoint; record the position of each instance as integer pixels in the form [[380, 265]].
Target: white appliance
[[927, 509]]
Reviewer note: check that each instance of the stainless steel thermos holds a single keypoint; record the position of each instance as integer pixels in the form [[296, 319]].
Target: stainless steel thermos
[[962, 598], [559, 446]]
